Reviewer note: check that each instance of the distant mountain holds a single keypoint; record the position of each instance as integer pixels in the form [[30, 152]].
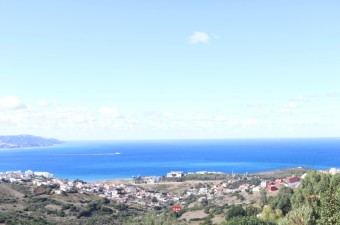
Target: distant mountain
[[22, 141]]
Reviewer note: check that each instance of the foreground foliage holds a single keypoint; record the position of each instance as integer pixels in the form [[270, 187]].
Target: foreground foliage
[[155, 219], [247, 221]]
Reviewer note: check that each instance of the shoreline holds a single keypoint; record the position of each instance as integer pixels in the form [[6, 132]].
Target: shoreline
[[261, 173]]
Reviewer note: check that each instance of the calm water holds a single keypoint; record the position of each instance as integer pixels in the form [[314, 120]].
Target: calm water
[[99, 160]]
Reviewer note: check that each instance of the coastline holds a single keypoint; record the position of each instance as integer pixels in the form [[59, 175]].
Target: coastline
[[266, 173], [98, 161]]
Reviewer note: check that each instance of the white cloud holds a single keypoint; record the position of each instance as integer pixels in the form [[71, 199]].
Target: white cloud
[[250, 122], [108, 111], [292, 105], [288, 108], [301, 98], [168, 114], [285, 111], [43, 103], [233, 123], [11, 102], [199, 37], [219, 118], [255, 105]]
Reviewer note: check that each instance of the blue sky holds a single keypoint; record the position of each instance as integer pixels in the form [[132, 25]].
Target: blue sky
[[170, 69]]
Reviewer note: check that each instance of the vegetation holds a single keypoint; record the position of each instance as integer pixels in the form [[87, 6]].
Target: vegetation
[[315, 202], [282, 201], [248, 220], [155, 219]]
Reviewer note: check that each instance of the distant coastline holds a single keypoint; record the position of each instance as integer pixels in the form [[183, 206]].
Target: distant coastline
[[26, 141]]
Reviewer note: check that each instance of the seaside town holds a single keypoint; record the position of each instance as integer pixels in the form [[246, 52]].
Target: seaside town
[[139, 189]]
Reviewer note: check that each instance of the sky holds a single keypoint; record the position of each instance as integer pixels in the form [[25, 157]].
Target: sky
[[87, 70]]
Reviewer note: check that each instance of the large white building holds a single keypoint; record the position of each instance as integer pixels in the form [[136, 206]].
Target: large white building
[[44, 174], [29, 172], [176, 174], [334, 171]]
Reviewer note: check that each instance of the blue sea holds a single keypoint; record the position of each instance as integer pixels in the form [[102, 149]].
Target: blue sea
[[100, 160]]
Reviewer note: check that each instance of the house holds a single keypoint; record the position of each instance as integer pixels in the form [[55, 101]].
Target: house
[[243, 187], [176, 208], [177, 174], [271, 188], [18, 172], [334, 171], [12, 180], [29, 172], [202, 172], [58, 192], [255, 189], [265, 183], [291, 180], [43, 174], [26, 178], [131, 189], [278, 181]]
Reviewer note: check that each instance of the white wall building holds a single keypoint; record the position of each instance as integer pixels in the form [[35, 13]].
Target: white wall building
[[29, 172], [177, 174], [14, 172], [43, 174], [334, 171]]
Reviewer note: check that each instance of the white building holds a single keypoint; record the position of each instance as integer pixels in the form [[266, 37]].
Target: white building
[[256, 189], [29, 172], [334, 171], [14, 172], [177, 174], [202, 172], [264, 184], [43, 174]]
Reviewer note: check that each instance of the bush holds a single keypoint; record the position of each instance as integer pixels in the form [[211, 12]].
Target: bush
[[154, 219], [247, 221], [235, 211]]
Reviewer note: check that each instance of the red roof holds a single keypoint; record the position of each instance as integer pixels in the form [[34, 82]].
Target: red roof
[[278, 181], [290, 180], [176, 208], [271, 188]]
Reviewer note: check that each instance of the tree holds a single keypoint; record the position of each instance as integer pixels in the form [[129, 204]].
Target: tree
[[154, 219], [330, 207], [235, 211], [310, 188], [299, 216], [320, 193], [269, 214], [282, 200], [247, 221], [252, 211], [263, 198]]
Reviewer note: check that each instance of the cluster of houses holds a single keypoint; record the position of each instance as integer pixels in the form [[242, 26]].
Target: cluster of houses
[[27, 176], [331, 171], [289, 181], [146, 180], [179, 174], [133, 193]]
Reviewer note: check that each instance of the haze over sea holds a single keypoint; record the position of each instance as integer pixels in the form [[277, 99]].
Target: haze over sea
[[99, 160]]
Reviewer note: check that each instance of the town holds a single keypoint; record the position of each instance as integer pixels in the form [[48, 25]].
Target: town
[[153, 192]]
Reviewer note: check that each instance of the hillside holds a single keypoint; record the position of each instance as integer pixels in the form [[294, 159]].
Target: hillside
[[21, 141]]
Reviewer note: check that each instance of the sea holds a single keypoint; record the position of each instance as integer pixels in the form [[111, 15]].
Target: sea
[[104, 160]]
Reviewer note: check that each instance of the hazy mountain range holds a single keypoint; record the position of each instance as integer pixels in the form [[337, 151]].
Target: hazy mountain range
[[22, 141]]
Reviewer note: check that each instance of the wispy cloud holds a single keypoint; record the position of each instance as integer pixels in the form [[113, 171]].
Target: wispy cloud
[[108, 111], [11, 102], [199, 37]]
